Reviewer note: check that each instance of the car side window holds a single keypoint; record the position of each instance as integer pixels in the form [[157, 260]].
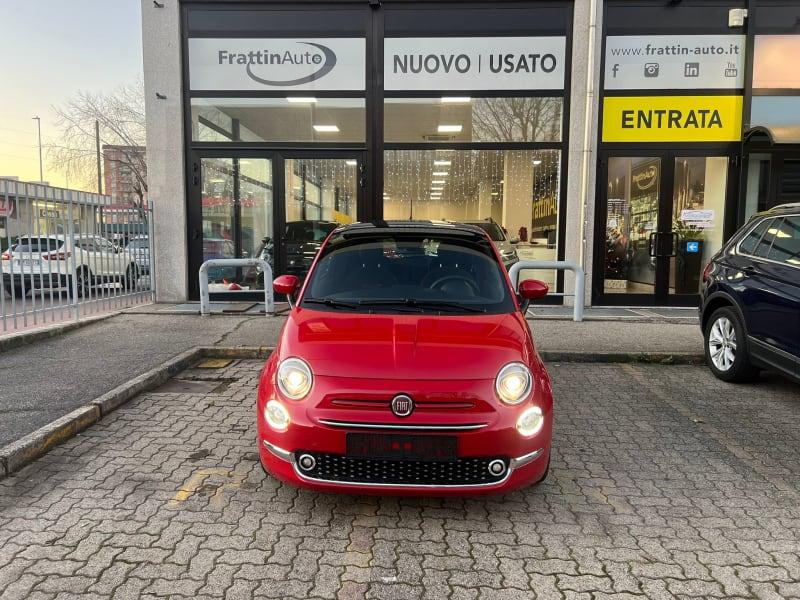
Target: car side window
[[786, 247], [750, 241], [762, 249], [86, 244]]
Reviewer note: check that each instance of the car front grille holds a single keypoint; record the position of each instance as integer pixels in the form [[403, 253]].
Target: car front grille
[[461, 472]]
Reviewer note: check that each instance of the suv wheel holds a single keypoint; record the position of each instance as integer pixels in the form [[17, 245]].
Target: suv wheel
[[84, 283], [131, 278], [726, 347]]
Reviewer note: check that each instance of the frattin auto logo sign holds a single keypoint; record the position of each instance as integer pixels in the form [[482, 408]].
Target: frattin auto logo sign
[[288, 64]]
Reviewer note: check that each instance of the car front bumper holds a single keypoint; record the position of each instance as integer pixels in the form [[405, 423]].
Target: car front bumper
[[483, 437]]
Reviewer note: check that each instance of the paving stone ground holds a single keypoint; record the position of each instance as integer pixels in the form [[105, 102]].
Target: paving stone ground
[[666, 483]]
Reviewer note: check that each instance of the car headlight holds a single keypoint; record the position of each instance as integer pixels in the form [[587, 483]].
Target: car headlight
[[294, 378], [276, 415], [530, 421], [513, 383]]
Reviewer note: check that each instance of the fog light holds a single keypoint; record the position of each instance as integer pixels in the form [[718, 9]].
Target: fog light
[[497, 467], [307, 462], [530, 422], [276, 415]]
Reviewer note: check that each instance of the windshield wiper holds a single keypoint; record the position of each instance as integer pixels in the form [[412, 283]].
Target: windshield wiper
[[330, 302], [422, 304]]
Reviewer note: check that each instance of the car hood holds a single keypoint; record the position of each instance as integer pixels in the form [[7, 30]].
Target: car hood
[[415, 347]]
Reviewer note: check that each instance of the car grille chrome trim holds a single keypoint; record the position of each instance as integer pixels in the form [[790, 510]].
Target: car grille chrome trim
[[403, 427], [386, 464]]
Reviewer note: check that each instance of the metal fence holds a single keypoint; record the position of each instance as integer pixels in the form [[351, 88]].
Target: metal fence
[[67, 255]]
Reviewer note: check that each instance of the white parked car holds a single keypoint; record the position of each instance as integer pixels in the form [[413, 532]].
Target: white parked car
[[139, 249], [43, 262]]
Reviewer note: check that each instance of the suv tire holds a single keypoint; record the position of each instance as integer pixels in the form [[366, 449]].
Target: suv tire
[[725, 345]]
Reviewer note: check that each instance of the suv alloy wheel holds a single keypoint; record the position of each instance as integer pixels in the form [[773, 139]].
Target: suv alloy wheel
[[726, 347]]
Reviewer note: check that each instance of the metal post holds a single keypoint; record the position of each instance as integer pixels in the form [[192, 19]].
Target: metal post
[[71, 238], [41, 166], [97, 144], [205, 300], [558, 265]]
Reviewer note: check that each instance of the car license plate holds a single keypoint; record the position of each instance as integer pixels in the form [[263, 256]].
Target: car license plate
[[402, 447], [29, 262]]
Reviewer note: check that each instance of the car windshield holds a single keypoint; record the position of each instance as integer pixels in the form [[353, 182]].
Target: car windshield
[[492, 229], [409, 273], [139, 244]]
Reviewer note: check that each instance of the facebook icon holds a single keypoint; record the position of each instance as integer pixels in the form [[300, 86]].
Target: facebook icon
[[692, 247]]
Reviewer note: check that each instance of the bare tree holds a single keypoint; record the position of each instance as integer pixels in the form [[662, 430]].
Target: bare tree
[[517, 119], [121, 118]]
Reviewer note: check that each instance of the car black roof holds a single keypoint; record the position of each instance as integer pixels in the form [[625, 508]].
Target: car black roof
[[420, 227]]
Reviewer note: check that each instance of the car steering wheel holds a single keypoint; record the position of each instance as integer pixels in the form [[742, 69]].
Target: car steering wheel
[[446, 278]]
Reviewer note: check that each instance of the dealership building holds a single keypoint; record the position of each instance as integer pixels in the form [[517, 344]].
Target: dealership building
[[630, 136]]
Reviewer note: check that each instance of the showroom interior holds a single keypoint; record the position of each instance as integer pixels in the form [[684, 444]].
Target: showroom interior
[[471, 111]]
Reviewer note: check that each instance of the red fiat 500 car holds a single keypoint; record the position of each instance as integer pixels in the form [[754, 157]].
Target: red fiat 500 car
[[406, 366]]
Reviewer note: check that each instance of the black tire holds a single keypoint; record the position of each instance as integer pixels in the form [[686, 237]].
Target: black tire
[[84, 283], [131, 278], [725, 345]]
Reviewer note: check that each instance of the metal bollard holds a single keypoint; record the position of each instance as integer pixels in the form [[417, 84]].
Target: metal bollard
[[558, 265], [205, 301]]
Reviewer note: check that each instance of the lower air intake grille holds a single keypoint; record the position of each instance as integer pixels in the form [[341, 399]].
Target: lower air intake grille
[[464, 471]]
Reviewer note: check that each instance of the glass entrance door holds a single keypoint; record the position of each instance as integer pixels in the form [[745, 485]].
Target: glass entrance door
[[633, 197], [661, 219], [236, 218], [699, 194], [319, 195]]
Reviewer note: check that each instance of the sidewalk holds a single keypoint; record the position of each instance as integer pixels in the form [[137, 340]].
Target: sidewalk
[[48, 378]]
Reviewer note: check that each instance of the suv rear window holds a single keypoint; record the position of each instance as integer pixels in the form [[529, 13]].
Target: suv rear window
[[38, 244]]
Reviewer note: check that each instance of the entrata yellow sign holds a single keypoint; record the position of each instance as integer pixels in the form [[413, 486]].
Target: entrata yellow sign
[[672, 119]]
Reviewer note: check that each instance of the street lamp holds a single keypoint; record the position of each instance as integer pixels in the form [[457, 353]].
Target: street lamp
[[41, 168]]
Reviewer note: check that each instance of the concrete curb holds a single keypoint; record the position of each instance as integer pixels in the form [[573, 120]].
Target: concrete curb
[[662, 358], [17, 454], [15, 340]]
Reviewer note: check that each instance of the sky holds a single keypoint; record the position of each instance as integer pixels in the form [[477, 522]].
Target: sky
[[51, 49]]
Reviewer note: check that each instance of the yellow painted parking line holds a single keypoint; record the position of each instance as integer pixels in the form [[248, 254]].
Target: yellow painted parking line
[[197, 480], [214, 363]]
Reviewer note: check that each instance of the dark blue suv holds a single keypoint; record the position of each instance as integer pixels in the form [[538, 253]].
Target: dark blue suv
[[750, 299]]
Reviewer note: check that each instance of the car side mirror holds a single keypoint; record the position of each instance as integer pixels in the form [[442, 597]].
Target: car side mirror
[[514, 241], [286, 285], [533, 289]]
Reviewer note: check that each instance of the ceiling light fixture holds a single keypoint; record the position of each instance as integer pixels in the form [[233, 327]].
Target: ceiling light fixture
[[326, 129], [437, 182], [351, 163], [456, 99], [450, 128], [440, 173], [300, 100], [537, 162], [442, 163]]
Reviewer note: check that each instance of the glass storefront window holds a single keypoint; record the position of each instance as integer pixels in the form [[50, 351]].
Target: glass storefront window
[[773, 66], [517, 189], [464, 119], [289, 119], [321, 193]]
